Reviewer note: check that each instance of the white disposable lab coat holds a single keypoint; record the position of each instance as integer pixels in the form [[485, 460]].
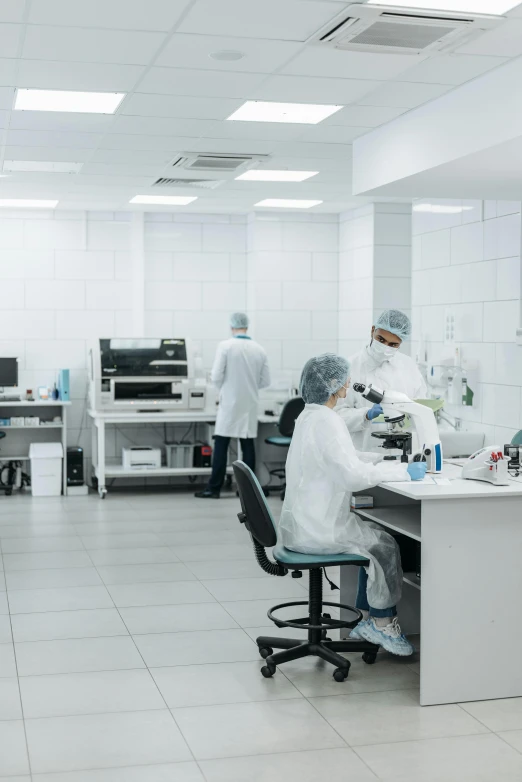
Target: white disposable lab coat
[[240, 370], [322, 470], [399, 374]]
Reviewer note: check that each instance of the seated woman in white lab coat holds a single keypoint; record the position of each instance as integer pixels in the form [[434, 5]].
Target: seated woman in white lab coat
[[322, 470]]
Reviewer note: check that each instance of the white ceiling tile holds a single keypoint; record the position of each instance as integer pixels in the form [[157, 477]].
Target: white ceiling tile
[[160, 126], [9, 39], [405, 94], [47, 75], [332, 134], [319, 61], [515, 11], [88, 45], [56, 120], [121, 169], [117, 14], [12, 10], [135, 142], [264, 131], [305, 150], [503, 41], [141, 156], [363, 116], [6, 98], [183, 81], [37, 138], [301, 89], [192, 51], [285, 20], [73, 155], [233, 146], [450, 69], [4, 116], [7, 72], [184, 107]]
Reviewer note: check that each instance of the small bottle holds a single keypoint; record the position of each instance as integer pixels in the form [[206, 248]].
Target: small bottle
[[464, 390], [55, 393]]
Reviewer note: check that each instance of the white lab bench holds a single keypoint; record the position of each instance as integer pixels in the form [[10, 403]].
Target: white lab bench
[[37, 408], [467, 602], [103, 469]]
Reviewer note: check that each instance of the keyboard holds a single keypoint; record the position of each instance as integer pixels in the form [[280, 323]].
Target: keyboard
[[10, 399]]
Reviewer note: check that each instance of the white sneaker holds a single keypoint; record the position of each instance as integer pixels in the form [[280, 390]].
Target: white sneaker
[[389, 637], [355, 635]]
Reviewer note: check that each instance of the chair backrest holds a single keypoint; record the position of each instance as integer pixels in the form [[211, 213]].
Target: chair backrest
[[517, 439], [258, 518], [289, 415]]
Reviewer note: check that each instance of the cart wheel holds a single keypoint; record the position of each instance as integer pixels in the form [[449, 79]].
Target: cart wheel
[[8, 492], [265, 651], [340, 674], [94, 482], [369, 657], [192, 478], [228, 481], [102, 491], [268, 670]]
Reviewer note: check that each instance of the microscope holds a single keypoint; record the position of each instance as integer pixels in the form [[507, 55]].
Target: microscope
[[396, 406]]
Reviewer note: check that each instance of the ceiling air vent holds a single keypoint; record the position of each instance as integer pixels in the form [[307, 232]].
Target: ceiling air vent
[[205, 184], [216, 162], [374, 28]]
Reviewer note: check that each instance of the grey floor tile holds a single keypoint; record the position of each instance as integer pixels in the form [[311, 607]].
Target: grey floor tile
[[104, 740], [34, 545], [48, 579], [166, 649], [137, 574], [513, 738], [132, 556], [171, 772], [207, 685], [13, 756], [498, 715], [88, 693], [385, 717], [37, 530], [3, 604], [60, 625], [10, 707], [254, 588], [131, 540], [29, 601], [126, 595], [221, 553], [7, 661], [216, 569], [253, 613], [46, 559], [35, 658], [462, 759], [177, 618], [5, 630], [219, 537], [111, 527], [254, 729], [334, 764]]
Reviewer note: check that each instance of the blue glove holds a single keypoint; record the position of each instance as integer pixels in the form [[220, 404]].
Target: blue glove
[[417, 470], [374, 412]]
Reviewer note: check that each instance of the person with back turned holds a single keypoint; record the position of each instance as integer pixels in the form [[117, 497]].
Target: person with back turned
[[240, 370]]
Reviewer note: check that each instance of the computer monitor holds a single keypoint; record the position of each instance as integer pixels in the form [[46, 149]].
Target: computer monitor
[[8, 372]]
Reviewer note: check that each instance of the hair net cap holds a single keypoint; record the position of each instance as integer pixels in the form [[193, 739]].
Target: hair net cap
[[239, 320], [396, 322], [323, 376]]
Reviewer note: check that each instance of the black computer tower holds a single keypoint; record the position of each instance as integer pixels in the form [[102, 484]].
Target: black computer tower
[[75, 475]]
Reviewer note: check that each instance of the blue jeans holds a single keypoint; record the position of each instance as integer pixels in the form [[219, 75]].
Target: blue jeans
[[361, 601], [219, 459]]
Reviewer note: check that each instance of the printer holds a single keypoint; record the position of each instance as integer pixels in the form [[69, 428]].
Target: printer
[[143, 374]]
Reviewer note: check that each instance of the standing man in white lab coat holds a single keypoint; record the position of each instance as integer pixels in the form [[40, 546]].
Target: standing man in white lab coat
[[381, 363], [240, 370]]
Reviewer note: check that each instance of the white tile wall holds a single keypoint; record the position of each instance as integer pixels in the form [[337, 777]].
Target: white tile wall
[[469, 264]]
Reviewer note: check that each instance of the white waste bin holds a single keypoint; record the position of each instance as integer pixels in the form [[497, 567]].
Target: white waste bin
[[46, 469]]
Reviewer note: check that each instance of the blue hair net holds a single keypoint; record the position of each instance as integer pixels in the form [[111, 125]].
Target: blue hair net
[[396, 322], [238, 320], [323, 376]]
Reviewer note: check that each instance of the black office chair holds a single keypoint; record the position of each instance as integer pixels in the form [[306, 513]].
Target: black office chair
[[286, 424], [257, 518]]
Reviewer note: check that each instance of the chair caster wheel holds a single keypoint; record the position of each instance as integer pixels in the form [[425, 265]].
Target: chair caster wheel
[[340, 674], [268, 671], [327, 616], [369, 657], [265, 651]]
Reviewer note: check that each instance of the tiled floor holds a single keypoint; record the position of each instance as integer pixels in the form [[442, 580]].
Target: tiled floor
[[127, 655]]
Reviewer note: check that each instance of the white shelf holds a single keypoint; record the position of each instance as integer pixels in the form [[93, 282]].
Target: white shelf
[[412, 579], [36, 403], [13, 458], [401, 518], [40, 427], [118, 471]]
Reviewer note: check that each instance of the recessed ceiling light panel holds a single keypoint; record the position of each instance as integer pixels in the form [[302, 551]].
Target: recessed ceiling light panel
[[257, 175], [46, 166], [492, 7], [269, 111], [27, 203], [163, 200], [66, 100], [287, 203]]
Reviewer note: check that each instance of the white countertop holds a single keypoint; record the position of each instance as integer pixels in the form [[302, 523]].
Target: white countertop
[[168, 416], [36, 403], [458, 489]]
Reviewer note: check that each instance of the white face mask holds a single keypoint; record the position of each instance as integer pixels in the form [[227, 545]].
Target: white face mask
[[381, 353]]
